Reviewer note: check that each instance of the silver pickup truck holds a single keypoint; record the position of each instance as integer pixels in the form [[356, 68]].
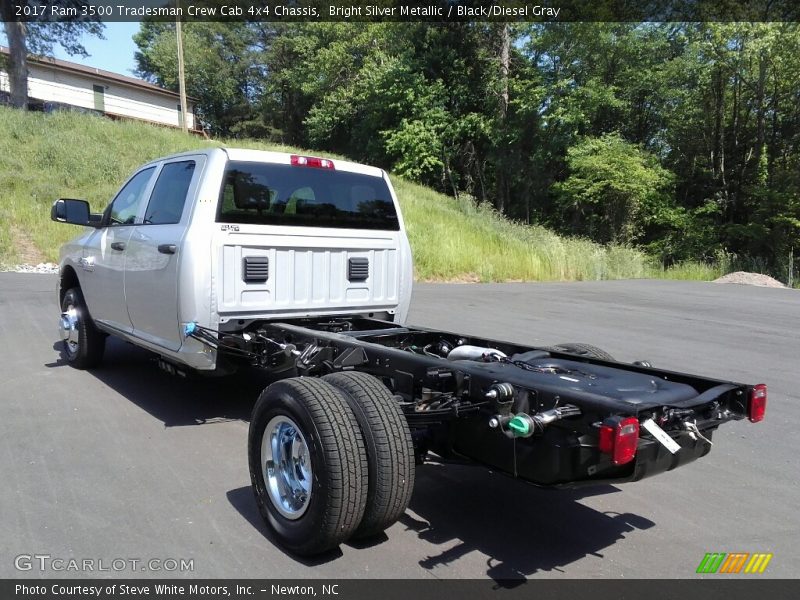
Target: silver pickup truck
[[300, 266], [223, 238]]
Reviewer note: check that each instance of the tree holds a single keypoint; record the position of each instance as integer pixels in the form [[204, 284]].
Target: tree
[[221, 70], [504, 63], [614, 190], [39, 38]]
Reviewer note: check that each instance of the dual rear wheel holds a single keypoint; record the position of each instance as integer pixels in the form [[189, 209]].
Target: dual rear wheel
[[330, 459]]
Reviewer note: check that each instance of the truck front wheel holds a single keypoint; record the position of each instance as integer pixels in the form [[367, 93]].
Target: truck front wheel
[[308, 465], [83, 342]]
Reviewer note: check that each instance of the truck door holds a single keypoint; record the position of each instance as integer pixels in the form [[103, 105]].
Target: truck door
[[151, 269], [104, 256]]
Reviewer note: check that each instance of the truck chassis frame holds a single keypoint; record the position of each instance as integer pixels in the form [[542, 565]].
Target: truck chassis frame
[[463, 408]]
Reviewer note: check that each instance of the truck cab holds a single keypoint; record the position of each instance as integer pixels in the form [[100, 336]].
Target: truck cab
[[227, 237]]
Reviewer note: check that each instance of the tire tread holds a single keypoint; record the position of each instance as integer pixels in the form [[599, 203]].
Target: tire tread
[[390, 450], [340, 441]]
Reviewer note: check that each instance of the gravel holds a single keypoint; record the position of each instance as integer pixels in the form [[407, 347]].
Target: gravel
[[744, 278], [44, 268]]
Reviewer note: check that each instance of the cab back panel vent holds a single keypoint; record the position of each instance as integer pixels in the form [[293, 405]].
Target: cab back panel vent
[[358, 269], [256, 268]]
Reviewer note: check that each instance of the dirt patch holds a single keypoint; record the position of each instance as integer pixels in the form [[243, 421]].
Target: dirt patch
[[744, 278], [464, 278], [26, 250]]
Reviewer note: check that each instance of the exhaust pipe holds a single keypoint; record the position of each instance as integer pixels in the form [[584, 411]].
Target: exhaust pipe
[[467, 352]]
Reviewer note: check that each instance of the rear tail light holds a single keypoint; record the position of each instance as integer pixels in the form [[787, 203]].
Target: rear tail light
[[311, 161], [619, 437], [758, 403]]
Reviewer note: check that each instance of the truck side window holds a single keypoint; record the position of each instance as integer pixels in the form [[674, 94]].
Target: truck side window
[[125, 206], [169, 193]]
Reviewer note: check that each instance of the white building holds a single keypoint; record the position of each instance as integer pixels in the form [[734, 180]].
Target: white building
[[54, 83]]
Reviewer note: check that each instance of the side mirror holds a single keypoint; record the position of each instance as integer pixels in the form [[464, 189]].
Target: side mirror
[[75, 212]]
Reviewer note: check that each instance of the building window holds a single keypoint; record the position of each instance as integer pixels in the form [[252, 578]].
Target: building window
[[99, 98]]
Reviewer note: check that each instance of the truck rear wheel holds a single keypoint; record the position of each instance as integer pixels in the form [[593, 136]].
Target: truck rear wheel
[[582, 349], [390, 450], [308, 466], [84, 344]]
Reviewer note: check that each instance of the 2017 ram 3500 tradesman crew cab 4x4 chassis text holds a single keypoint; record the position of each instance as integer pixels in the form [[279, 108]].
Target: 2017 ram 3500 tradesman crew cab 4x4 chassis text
[[301, 266]]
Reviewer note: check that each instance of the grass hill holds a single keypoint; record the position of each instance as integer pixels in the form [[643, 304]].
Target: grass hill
[[71, 155]]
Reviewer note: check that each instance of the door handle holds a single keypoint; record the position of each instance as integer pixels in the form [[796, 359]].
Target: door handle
[[167, 248], [118, 246]]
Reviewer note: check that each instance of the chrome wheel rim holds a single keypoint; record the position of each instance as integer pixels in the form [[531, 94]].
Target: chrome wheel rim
[[70, 334], [286, 466]]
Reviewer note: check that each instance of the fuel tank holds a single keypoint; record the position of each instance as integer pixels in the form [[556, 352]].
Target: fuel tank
[[605, 387]]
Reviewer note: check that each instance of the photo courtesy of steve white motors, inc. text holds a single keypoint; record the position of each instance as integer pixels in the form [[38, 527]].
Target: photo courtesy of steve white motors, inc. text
[[172, 589]]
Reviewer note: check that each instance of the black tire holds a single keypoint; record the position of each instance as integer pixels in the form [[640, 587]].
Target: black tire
[[87, 350], [338, 494], [390, 450], [582, 350]]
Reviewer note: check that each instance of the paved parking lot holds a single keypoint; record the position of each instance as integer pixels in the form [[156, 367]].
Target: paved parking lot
[[128, 462]]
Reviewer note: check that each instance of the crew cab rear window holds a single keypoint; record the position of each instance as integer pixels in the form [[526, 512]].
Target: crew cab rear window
[[270, 194], [169, 193]]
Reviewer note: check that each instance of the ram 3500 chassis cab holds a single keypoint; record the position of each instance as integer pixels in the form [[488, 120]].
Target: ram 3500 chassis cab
[[301, 266]]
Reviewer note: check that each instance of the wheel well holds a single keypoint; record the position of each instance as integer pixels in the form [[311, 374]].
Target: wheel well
[[69, 279]]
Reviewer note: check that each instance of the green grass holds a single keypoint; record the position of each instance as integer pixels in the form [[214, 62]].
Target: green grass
[[697, 271], [462, 241], [43, 157]]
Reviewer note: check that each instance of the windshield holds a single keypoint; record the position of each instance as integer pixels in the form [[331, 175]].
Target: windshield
[[270, 194]]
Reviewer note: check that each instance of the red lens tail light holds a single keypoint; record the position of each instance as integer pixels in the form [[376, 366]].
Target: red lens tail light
[[311, 161], [619, 437], [758, 403]]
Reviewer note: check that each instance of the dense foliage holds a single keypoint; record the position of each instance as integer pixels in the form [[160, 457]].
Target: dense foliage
[[683, 139]]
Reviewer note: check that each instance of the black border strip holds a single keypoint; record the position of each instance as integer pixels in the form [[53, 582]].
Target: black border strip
[[542, 11], [707, 588]]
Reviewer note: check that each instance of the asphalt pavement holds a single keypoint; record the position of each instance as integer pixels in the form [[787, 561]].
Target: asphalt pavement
[[129, 463]]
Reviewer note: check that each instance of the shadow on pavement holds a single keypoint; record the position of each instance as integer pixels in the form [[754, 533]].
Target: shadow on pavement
[[245, 504], [520, 528], [174, 400]]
